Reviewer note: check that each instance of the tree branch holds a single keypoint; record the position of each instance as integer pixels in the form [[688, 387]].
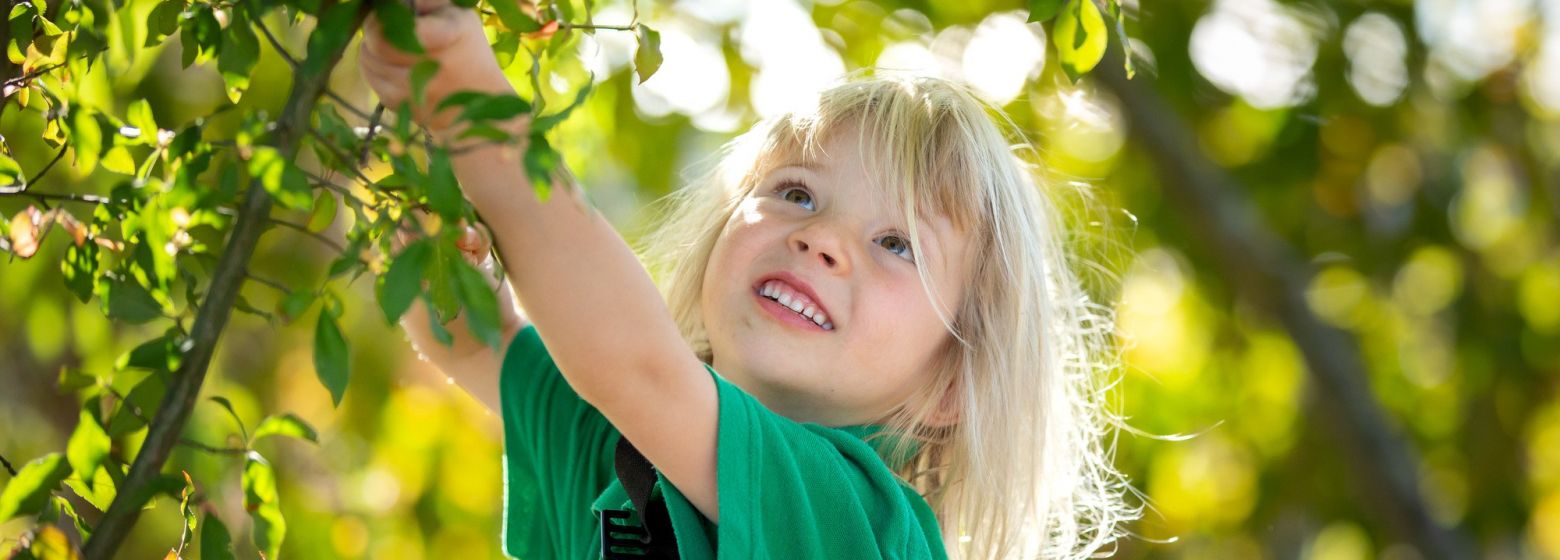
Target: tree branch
[[1266, 271], [187, 442], [226, 281], [304, 230]]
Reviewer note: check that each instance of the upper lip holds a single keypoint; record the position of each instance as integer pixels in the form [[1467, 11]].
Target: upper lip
[[797, 284]]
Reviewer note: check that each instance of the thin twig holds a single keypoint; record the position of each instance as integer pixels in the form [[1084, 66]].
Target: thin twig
[[8, 467], [346, 105], [304, 230], [187, 442], [46, 167], [368, 139], [343, 158], [597, 27], [33, 74], [22, 187], [276, 44], [278, 286]]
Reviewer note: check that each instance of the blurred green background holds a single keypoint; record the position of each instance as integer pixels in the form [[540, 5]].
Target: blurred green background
[[1406, 153]]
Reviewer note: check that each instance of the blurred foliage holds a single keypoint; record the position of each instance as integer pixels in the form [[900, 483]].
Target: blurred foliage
[[1406, 149]]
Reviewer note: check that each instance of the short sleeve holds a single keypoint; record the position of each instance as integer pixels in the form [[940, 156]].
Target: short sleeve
[[794, 490], [557, 456]]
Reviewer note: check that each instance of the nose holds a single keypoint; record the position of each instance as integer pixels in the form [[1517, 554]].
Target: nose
[[825, 244]]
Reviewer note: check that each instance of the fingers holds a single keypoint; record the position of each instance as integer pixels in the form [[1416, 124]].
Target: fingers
[[436, 29]]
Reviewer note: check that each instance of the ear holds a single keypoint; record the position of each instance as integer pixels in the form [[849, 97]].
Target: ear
[[950, 407]]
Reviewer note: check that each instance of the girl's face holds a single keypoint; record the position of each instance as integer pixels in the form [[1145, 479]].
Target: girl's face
[[825, 230]]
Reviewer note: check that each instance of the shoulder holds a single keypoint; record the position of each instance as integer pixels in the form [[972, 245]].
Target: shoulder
[[790, 489]]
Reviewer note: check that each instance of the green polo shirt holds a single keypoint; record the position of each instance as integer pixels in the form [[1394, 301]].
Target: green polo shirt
[[786, 489]]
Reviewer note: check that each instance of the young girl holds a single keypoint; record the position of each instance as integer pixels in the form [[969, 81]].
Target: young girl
[[868, 341]]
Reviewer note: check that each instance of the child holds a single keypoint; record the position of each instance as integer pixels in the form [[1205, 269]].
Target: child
[[868, 343]]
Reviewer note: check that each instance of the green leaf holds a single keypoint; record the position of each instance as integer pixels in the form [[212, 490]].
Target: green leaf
[[139, 115], [162, 22], [506, 47], [79, 269], [294, 305], [280, 177], [185, 507], [88, 445], [72, 380], [1120, 17], [332, 32], [485, 107], [439, 283], [547, 122], [21, 24], [324, 212], [128, 301], [481, 304], [118, 160], [509, 13], [289, 425], [10, 172], [399, 25], [200, 34], [331, 360], [158, 354], [260, 499], [228, 405], [215, 541], [444, 194], [236, 60], [65, 508], [421, 73], [440, 333], [28, 491], [1080, 37], [1044, 10], [647, 59], [541, 161], [86, 136], [98, 490], [404, 280], [146, 397]]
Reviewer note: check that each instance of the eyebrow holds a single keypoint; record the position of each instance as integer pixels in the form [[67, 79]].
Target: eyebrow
[[929, 219]]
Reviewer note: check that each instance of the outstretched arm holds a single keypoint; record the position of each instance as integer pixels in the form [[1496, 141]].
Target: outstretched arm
[[602, 319], [593, 304]]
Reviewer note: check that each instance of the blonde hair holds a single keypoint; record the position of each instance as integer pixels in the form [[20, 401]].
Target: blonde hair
[[1024, 471]]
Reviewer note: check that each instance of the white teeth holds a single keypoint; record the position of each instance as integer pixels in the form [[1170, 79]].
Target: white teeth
[[772, 290]]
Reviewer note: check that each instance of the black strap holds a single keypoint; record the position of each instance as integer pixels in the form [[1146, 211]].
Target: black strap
[[653, 538]]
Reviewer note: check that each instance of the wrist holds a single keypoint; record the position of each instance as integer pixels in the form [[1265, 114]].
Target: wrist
[[446, 126]]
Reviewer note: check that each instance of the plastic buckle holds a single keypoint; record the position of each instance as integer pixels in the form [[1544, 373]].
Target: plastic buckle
[[621, 538]]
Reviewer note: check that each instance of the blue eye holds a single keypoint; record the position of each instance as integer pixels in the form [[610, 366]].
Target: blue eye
[[787, 188], [902, 242]]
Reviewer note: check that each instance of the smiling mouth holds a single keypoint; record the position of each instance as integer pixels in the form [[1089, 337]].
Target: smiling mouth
[[790, 316]]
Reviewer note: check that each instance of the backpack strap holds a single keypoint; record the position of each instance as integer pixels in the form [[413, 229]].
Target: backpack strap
[[653, 538]]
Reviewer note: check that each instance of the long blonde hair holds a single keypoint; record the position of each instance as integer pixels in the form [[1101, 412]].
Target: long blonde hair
[[1025, 470]]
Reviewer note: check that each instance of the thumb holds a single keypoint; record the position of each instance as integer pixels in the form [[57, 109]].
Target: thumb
[[476, 242]]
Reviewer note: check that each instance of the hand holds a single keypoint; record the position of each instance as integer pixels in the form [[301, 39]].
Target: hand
[[475, 245], [451, 36]]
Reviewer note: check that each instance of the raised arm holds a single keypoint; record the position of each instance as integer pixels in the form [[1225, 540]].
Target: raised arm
[[601, 317], [593, 304]]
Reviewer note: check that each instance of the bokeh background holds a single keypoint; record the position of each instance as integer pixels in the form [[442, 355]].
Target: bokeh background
[[1395, 164]]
